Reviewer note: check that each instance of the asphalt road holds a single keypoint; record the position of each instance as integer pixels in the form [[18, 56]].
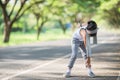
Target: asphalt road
[[48, 60]]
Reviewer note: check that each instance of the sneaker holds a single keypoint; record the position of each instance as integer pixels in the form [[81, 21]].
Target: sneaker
[[67, 74], [91, 74]]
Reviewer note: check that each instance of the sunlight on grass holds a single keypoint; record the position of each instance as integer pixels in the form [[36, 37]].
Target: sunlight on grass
[[55, 35], [17, 38]]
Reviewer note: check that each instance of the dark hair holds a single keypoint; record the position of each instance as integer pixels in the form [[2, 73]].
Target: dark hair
[[92, 26]]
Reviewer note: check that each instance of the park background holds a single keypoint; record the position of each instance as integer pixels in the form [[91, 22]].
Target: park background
[[28, 21]]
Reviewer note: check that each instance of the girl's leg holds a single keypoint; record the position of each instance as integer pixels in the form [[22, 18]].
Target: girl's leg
[[72, 59], [73, 55]]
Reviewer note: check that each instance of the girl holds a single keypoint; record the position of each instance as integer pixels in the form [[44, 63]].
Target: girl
[[80, 41]]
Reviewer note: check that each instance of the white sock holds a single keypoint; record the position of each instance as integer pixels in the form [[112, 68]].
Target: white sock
[[69, 70], [89, 70]]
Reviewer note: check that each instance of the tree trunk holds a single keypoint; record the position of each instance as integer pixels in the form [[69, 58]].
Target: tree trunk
[[39, 31], [7, 31], [62, 26], [38, 34], [8, 24], [7, 28]]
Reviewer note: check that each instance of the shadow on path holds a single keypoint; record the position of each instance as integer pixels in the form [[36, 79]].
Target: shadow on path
[[71, 78]]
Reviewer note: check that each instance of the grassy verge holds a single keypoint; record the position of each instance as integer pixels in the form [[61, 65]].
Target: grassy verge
[[17, 38]]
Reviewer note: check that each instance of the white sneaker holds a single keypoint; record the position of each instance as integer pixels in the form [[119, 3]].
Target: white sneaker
[[67, 74], [91, 74]]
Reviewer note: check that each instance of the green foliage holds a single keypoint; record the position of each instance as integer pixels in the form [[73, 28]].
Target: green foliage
[[26, 23], [87, 6], [110, 12], [1, 22], [107, 11]]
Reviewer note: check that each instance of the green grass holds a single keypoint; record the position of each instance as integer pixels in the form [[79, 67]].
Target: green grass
[[18, 38]]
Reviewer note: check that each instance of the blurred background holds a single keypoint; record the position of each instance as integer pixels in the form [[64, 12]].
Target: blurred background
[[28, 21]]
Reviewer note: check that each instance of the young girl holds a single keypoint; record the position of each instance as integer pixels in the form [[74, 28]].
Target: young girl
[[80, 41]]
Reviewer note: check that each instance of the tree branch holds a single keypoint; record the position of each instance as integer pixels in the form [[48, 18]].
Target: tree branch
[[4, 11], [1, 4], [37, 2], [22, 4], [6, 2], [13, 8]]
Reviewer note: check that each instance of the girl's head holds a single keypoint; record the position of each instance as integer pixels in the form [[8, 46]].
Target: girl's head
[[92, 28]]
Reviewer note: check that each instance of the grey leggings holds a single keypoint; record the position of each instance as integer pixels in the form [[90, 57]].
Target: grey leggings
[[75, 45]]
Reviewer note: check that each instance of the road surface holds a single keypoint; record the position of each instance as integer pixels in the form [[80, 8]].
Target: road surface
[[48, 60]]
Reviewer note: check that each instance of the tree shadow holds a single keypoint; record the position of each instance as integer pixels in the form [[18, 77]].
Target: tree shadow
[[53, 52], [15, 56], [70, 78], [107, 48], [34, 53]]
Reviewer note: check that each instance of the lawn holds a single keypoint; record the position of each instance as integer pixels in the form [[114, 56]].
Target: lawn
[[17, 38]]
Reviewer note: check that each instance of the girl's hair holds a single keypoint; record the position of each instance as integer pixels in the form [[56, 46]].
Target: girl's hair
[[92, 26]]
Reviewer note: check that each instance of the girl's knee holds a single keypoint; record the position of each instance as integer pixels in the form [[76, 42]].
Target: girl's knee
[[73, 57]]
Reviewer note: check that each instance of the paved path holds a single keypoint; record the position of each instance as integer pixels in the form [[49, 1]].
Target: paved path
[[48, 60]]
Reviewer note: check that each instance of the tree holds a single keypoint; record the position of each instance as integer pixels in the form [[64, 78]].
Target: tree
[[41, 13], [59, 10], [110, 10], [1, 22], [8, 16]]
